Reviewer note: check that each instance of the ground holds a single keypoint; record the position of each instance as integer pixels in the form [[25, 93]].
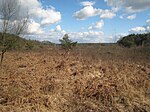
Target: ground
[[92, 78]]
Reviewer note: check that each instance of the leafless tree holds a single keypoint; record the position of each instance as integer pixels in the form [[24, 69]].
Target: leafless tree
[[12, 22]]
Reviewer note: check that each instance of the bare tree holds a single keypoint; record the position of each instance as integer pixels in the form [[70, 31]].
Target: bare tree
[[12, 22]]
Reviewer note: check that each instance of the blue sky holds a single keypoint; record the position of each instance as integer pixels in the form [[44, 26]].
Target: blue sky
[[87, 21]]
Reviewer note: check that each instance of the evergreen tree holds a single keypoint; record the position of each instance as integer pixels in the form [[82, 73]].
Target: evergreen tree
[[67, 44]]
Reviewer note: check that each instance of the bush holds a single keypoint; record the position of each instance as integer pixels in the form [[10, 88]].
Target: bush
[[18, 43], [29, 46]]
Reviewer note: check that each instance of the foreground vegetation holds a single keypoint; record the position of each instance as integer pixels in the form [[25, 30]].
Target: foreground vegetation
[[92, 78]]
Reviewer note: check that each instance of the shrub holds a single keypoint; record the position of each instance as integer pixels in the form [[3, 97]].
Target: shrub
[[29, 46]]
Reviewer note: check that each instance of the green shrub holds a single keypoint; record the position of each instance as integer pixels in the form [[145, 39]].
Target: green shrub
[[29, 46]]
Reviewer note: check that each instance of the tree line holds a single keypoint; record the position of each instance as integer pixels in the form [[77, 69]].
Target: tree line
[[134, 40]]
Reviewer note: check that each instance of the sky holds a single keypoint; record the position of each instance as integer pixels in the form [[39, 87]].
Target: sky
[[86, 21]]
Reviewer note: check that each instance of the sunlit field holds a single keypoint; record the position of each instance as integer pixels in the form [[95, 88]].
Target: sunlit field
[[92, 78]]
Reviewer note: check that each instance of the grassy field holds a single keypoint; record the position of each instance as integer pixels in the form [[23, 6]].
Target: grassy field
[[92, 78]]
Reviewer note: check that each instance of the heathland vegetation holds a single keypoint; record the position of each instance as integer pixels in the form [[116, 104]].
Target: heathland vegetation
[[90, 78], [71, 77]]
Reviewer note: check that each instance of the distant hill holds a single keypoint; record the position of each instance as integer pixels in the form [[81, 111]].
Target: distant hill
[[135, 40], [19, 43]]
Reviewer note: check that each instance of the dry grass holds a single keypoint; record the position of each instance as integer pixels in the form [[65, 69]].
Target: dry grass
[[91, 79]]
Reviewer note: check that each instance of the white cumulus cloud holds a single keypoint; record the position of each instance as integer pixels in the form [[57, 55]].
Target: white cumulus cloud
[[81, 37], [148, 22], [137, 30], [141, 29], [107, 14], [49, 16], [58, 28], [38, 16], [131, 17], [98, 25], [88, 37], [89, 11], [35, 9], [34, 28], [87, 3]]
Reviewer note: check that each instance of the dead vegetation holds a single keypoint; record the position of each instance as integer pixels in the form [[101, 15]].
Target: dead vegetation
[[91, 79]]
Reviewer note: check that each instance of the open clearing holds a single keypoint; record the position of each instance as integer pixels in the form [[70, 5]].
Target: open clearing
[[91, 78]]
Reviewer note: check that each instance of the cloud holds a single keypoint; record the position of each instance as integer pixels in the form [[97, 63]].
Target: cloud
[[127, 16], [121, 17], [34, 28], [53, 35], [147, 25], [39, 17], [87, 3], [119, 36], [98, 25], [46, 16], [147, 29], [87, 37], [141, 29], [131, 17], [87, 12], [148, 22], [37, 14], [138, 30], [130, 6], [107, 14], [58, 28], [49, 16], [81, 37]]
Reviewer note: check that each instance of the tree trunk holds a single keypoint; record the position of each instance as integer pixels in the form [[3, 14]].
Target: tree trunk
[[2, 56]]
